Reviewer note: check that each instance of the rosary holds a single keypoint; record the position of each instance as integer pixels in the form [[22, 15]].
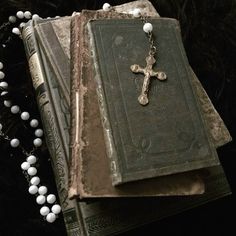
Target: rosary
[[49, 208]]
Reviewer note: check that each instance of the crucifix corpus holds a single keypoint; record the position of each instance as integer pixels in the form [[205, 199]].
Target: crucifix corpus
[[148, 74]]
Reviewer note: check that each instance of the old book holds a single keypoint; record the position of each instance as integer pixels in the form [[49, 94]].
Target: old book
[[112, 217], [40, 72], [87, 133], [85, 161], [168, 135]]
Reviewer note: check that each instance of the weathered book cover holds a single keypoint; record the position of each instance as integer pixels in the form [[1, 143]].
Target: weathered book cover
[[88, 144], [112, 217], [167, 136]]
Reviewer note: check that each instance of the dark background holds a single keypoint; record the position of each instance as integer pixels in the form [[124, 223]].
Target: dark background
[[209, 36]]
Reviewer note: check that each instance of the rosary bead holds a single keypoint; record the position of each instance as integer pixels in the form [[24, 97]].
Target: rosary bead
[[51, 217], [38, 132], [34, 123], [15, 142], [27, 14], [22, 24], [2, 75], [4, 85], [42, 190], [4, 93], [7, 103], [40, 199], [37, 142], [147, 28], [136, 12], [35, 17], [32, 171], [106, 7], [31, 159], [25, 165], [15, 109], [56, 209], [12, 19], [51, 198], [1, 65], [20, 14], [35, 180], [16, 31], [25, 115], [44, 210], [33, 189]]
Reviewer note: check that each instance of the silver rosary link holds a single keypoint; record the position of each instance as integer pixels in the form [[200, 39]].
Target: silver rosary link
[[152, 47]]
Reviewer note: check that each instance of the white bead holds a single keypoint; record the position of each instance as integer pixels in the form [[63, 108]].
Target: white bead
[[35, 17], [27, 14], [38, 132], [44, 210], [15, 142], [0, 126], [12, 19], [147, 28], [4, 85], [32, 171], [20, 14], [4, 93], [1, 65], [25, 115], [15, 109], [31, 159], [2, 75], [136, 12], [51, 217], [51, 198], [40, 199], [22, 24], [34, 123], [16, 31], [37, 142], [106, 7], [42, 190], [33, 189], [35, 180], [56, 209], [7, 103], [25, 165]]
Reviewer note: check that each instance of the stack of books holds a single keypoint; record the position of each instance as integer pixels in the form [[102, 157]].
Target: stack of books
[[114, 160]]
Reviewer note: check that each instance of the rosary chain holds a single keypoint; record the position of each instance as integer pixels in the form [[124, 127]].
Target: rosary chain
[[152, 47]]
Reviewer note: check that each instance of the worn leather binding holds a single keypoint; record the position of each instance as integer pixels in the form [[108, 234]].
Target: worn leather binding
[[88, 144], [168, 135]]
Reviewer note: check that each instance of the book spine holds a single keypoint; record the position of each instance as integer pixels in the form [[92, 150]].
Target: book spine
[[70, 208], [76, 113]]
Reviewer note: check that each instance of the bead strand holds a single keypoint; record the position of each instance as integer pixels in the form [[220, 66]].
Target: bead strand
[[147, 27], [49, 213]]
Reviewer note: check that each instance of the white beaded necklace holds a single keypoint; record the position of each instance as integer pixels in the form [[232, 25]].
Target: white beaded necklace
[[49, 207]]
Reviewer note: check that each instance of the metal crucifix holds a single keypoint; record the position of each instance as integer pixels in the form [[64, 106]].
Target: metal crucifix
[[148, 73]]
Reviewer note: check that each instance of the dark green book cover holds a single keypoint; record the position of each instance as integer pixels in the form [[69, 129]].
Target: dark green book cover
[[168, 135]]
